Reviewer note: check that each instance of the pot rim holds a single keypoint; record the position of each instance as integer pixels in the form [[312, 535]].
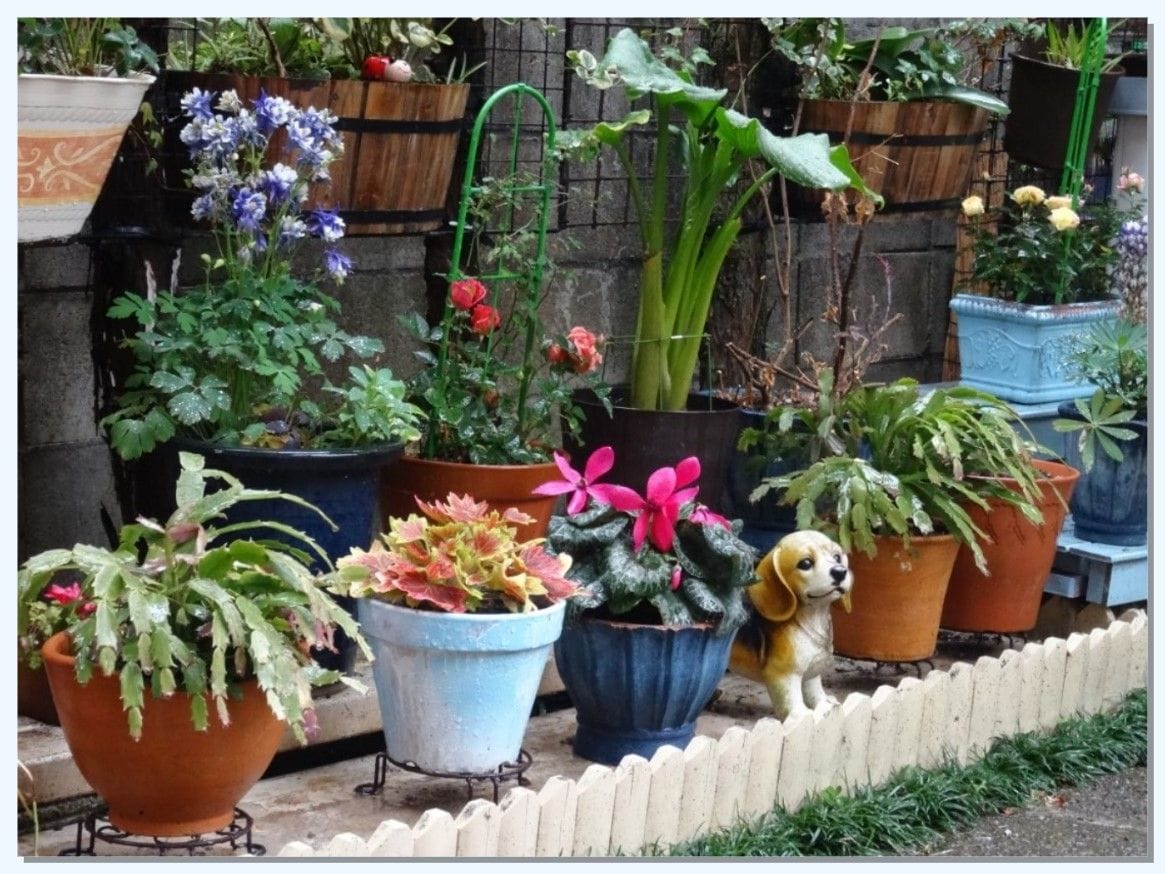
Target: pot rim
[[438, 462]]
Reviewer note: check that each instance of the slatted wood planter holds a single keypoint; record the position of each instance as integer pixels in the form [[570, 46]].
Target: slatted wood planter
[[678, 795], [918, 155], [400, 144]]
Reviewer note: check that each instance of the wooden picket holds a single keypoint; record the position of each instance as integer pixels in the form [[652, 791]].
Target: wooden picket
[[715, 783]]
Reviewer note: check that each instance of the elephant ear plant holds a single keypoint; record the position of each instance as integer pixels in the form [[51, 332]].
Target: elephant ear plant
[[187, 607], [707, 146], [647, 558]]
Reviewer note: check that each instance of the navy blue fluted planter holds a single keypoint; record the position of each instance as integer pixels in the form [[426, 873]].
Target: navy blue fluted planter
[[344, 483], [637, 687], [1110, 503], [765, 521]]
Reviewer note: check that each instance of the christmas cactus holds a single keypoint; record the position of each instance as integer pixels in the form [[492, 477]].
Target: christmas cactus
[[655, 557]]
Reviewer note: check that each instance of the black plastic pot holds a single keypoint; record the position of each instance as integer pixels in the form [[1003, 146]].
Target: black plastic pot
[[645, 440], [1042, 97], [765, 521]]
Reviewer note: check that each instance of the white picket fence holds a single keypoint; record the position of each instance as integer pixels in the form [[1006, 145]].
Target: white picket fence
[[683, 794]]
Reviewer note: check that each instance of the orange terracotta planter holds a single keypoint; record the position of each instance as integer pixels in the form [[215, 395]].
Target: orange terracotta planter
[[34, 697], [897, 600], [1019, 560], [174, 780], [499, 485]]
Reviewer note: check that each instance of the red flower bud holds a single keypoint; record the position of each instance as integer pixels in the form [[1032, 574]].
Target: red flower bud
[[465, 294], [375, 66], [555, 354], [484, 319]]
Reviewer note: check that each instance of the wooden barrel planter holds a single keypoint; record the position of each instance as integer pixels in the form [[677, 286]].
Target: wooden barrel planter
[[918, 155], [400, 144]]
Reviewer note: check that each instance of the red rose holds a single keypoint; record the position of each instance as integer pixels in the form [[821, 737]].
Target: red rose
[[586, 357], [467, 293], [484, 319], [375, 66], [555, 354]]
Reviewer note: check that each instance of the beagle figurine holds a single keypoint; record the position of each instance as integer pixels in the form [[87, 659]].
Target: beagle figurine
[[787, 642]]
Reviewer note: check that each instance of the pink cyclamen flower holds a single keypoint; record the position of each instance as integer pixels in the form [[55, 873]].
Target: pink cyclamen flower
[[465, 294], [702, 515], [63, 594], [659, 509], [676, 575], [580, 485]]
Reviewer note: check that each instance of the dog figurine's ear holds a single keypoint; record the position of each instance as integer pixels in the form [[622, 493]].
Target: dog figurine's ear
[[772, 597], [845, 602]]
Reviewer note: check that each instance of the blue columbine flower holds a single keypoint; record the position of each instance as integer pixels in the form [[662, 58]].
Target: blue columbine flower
[[290, 230], [197, 103], [278, 183], [273, 112], [249, 209], [337, 264], [325, 224]]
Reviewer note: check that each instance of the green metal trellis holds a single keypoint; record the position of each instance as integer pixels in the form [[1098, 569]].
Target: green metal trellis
[[1096, 40]]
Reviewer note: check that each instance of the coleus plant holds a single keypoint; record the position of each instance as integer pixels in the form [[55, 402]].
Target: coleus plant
[[459, 557], [660, 555]]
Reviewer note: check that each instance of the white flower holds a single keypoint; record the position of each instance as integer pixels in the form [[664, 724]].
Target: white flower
[[973, 206], [1063, 219], [1028, 194]]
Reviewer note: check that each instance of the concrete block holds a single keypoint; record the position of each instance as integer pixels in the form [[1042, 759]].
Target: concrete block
[[959, 712], [984, 700], [857, 714], [731, 777], [796, 760], [57, 382], [699, 789], [910, 700], [391, 839], [826, 752], [296, 849], [936, 688], [54, 267], [1052, 686], [1116, 676], [370, 305], [883, 734], [663, 800], [435, 834], [1075, 668], [1007, 704], [1092, 694], [385, 254], [594, 806], [344, 845], [764, 758], [558, 800], [1031, 681], [518, 835], [478, 825], [1139, 651], [629, 811]]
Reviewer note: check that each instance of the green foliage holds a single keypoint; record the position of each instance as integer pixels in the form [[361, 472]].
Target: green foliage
[[717, 566], [252, 47], [918, 806], [1067, 47], [891, 460], [82, 47], [898, 64], [1115, 357], [705, 145], [185, 605], [1101, 419], [373, 410]]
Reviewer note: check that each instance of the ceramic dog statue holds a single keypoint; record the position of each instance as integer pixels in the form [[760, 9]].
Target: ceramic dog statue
[[787, 642]]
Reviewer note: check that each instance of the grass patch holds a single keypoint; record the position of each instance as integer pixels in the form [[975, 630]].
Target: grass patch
[[917, 806]]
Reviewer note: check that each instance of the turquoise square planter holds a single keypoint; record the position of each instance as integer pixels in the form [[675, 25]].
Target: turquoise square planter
[[1019, 352]]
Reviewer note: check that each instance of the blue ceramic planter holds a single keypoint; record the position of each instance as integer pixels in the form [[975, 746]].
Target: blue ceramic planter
[[637, 687], [1020, 352], [456, 689], [1110, 503]]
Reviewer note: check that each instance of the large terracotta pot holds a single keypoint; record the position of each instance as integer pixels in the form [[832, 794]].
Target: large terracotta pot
[[174, 780], [68, 132], [897, 599], [499, 485], [1019, 559], [34, 696]]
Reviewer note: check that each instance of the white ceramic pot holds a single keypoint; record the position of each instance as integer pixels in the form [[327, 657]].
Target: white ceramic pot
[[68, 131]]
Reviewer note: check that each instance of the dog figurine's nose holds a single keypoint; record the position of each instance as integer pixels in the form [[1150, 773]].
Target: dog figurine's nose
[[838, 573]]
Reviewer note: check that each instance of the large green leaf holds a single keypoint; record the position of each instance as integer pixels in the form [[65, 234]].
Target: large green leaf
[[643, 73]]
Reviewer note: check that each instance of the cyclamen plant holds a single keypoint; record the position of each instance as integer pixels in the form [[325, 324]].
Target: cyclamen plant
[[1046, 249], [459, 557], [661, 555], [230, 360]]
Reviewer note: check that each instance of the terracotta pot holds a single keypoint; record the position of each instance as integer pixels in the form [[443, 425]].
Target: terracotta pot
[[897, 600], [499, 485], [34, 696], [1019, 559], [174, 780]]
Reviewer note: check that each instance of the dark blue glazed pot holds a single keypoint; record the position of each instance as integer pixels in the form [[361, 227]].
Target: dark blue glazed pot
[[637, 687]]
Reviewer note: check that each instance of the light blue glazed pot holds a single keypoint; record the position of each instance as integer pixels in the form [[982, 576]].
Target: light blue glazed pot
[[1019, 352], [456, 689]]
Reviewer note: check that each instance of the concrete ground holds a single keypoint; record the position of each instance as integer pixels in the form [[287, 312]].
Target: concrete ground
[[312, 801]]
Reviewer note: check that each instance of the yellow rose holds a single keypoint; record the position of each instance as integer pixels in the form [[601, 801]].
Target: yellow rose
[[1063, 219], [973, 206], [1058, 202], [1028, 195]]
